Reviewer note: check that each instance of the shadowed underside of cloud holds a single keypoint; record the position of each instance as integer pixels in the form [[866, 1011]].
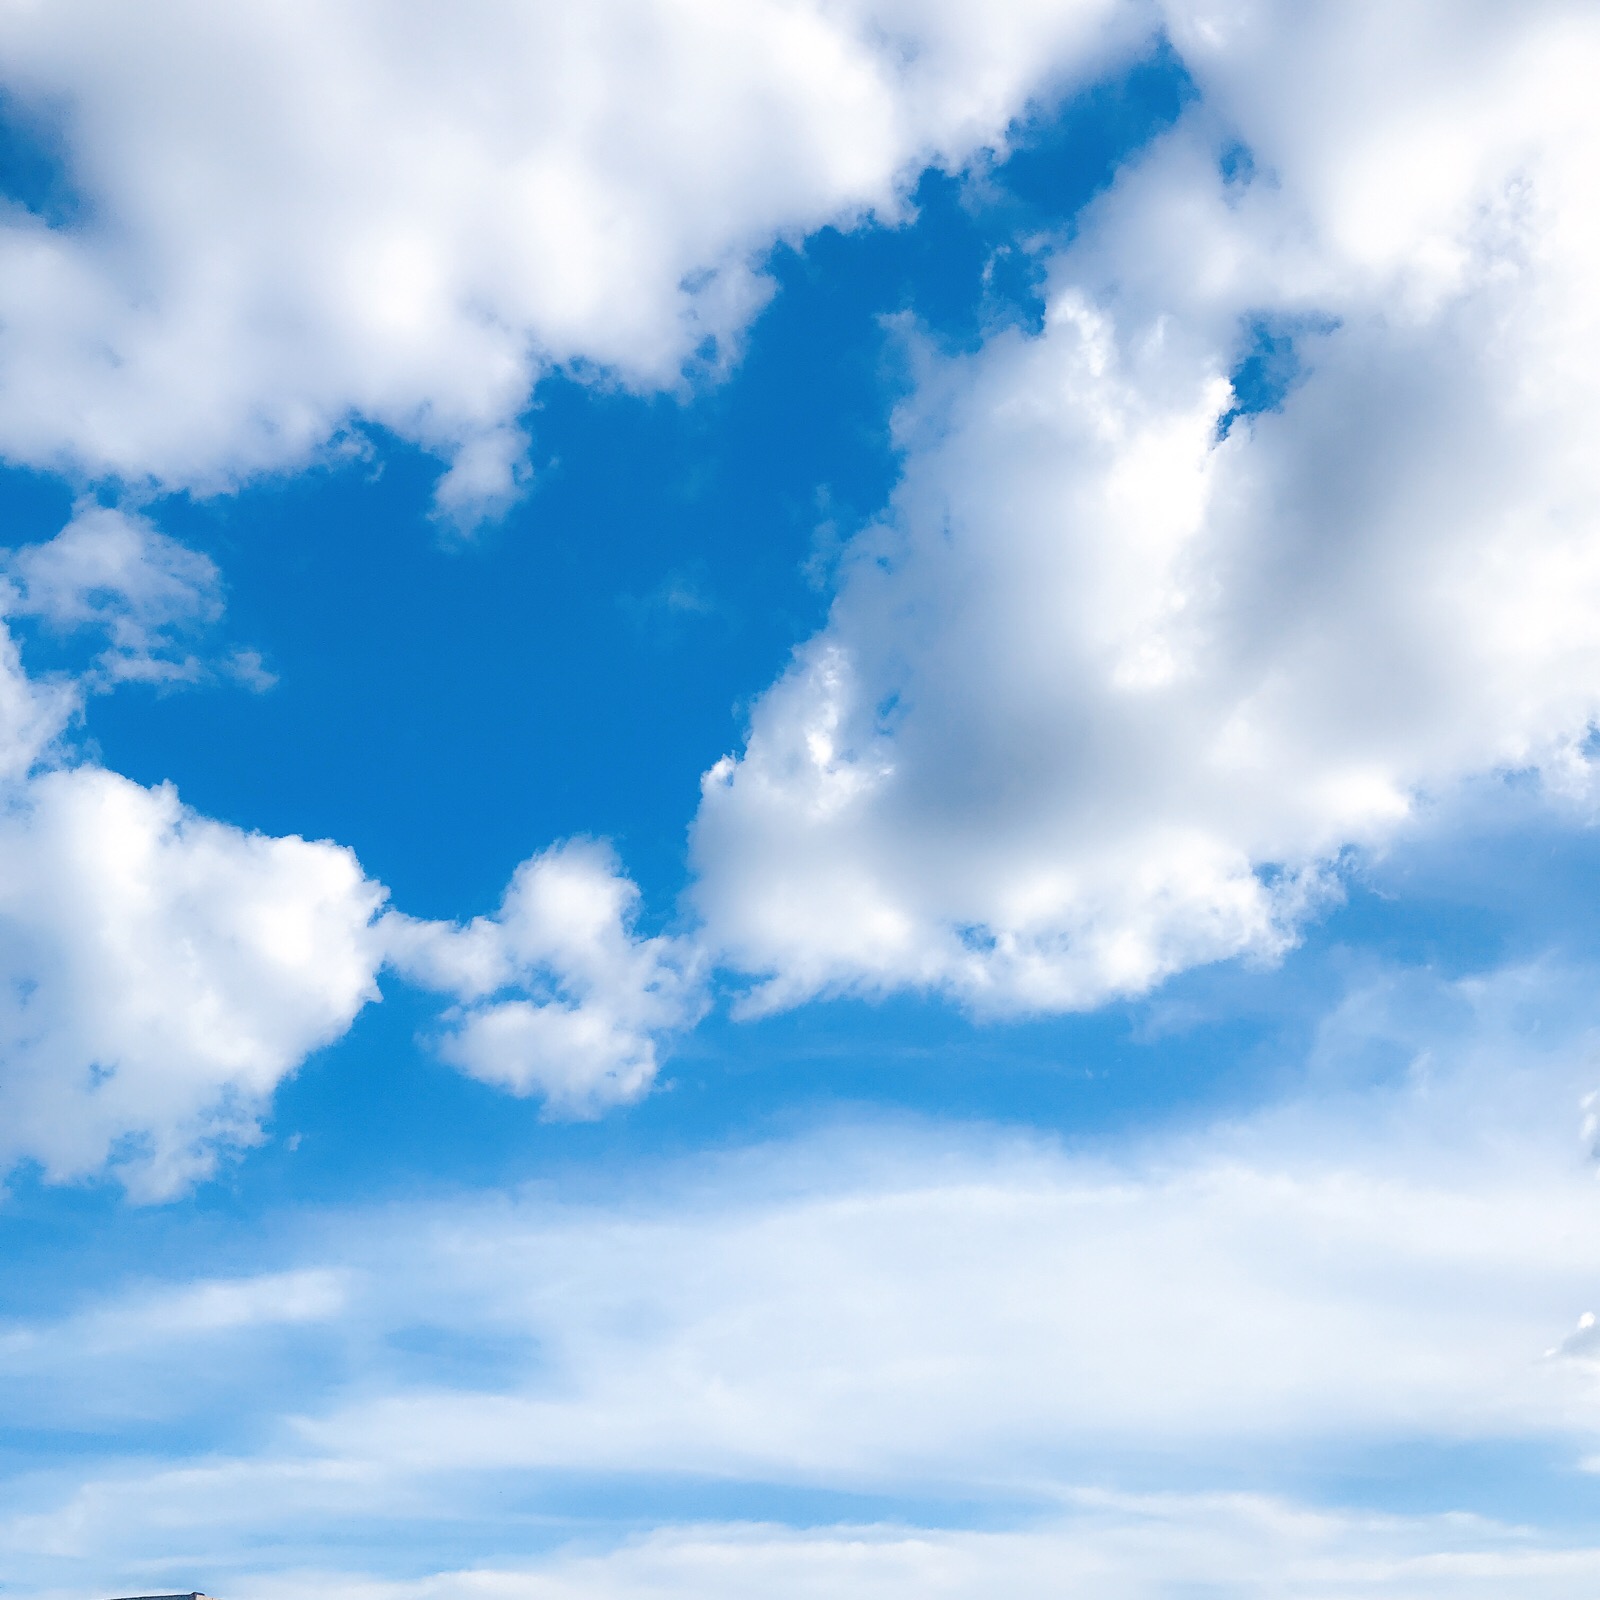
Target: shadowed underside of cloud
[[1122, 672]]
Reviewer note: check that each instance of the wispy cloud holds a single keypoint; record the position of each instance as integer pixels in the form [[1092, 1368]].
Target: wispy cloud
[[895, 1313]]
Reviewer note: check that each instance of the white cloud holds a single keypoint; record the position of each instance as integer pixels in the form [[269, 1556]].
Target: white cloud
[[33, 716], [990, 1322], [160, 974], [1123, 1547], [171, 1314], [1105, 696], [295, 218], [928, 1315], [558, 994], [117, 573]]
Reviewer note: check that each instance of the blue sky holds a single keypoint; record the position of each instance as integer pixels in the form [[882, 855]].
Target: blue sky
[[799, 799]]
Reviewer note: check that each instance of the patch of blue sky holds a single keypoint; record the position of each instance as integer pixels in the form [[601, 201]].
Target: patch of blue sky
[[35, 173], [1271, 362]]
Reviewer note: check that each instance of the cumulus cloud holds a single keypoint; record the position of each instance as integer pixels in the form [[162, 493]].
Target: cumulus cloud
[[1281, 525], [557, 992], [294, 220], [271, 227], [1138, 649], [160, 974]]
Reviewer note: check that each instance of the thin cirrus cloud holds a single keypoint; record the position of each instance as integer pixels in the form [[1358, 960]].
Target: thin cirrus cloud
[[901, 1313], [1118, 1547], [1138, 651]]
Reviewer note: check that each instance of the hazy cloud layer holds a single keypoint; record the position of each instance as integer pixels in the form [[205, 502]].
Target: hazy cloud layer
[[888, 1312], [1113, 1547]]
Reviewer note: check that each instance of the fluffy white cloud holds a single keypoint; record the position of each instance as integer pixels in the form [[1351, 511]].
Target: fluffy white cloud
[[1122, 672], [295, 219], [160, 974], [298, 217], [1106, 693], [558, 994]]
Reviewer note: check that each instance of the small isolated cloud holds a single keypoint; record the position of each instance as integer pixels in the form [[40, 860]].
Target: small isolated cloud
[[117, 574], [682, 599], [557, 994], [485, 476]]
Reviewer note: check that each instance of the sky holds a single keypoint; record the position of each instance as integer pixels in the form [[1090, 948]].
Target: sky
[[799, 797]]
